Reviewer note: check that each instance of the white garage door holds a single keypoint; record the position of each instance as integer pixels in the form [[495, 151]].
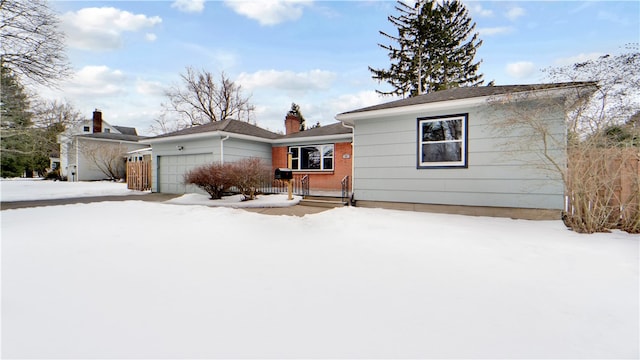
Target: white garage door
[[172, 169]]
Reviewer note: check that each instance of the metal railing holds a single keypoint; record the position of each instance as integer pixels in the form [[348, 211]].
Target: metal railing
[[345, 188], [300, 186], [305, 185]]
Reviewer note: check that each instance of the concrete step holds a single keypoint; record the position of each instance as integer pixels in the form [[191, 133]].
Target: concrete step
[[329, 203]]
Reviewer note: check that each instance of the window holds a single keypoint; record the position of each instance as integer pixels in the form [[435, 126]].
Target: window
[[442, 141], [312, 157], [107, 130], [86, 129]]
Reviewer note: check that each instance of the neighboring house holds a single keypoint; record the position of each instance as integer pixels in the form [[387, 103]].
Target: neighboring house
[[87, 146], [439, 152], [323, 153]]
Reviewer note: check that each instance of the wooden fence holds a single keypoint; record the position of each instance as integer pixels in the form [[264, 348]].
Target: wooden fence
[[603, 190], [139, 175]]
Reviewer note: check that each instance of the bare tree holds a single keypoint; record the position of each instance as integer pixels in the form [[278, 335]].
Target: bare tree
[[599, 170], [618, 95], [107, 157], [31, 43], [202, 99]]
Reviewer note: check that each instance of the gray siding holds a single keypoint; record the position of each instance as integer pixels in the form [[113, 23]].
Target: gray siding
[[385, 165], [198, 152]]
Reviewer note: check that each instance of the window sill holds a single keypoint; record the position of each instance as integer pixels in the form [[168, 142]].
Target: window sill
[[310, 172]]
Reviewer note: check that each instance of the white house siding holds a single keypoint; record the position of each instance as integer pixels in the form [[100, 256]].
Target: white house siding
[[171, 164], [385, 166], [86, 169]]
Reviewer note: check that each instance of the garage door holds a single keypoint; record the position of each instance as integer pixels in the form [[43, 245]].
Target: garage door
[[171, 170]]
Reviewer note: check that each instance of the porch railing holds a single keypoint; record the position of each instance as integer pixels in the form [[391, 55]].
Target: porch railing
[[300, 186], [345, 188]]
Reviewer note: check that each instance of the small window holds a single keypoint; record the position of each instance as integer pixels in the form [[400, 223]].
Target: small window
[[107, 130], [86, 129], [312, 157], [442, 141]]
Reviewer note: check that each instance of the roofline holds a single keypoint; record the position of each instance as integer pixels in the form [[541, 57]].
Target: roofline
[[203, 135], [312, 138], [350, 117], [110, 140], [218, 133]]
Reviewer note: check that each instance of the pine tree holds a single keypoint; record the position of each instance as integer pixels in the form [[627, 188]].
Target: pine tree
[[434, 49], [295, 111], [15, 122]]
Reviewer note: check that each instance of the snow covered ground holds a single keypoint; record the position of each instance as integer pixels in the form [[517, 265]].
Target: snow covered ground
[[135, 279], [38, 189]]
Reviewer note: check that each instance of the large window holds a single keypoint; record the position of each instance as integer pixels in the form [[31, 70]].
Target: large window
[[312, 157], [442, 141]]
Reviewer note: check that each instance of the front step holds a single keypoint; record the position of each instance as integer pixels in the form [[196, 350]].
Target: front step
[[323, 201]]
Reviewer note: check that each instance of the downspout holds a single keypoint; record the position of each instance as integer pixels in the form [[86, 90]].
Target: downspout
[[77, 167], [353, 155], [222, 148]]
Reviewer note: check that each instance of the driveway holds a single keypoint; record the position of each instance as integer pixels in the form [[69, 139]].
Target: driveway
[[296, 210]]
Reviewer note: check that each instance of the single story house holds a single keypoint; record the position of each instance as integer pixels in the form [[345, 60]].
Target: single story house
[[323, 153], [88, 148], [441, 152]]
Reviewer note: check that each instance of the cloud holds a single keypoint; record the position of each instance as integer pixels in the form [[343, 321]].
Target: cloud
[[521, 69], [514, 13], [577, 58], [614, 18], [288, 80], [97, 80], [495, 30], [150, 37], [270, 12], [477, 9], [189, 6], [358, 100], [102, 28], [144, 87]]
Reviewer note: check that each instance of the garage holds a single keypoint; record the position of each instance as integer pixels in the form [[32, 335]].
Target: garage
[[171, 170]]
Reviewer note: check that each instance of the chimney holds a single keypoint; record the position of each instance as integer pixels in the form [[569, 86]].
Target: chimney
[[291, 124], [97, 121]]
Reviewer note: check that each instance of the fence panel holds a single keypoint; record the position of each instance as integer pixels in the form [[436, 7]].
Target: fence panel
[[139, 175], [603, 188]]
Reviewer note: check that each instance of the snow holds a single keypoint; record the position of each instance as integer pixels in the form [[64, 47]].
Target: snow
[[100, 280], [235, 201], [38, 189]]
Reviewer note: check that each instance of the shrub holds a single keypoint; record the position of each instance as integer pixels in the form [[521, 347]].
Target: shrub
[[212, 178], [247, 175]]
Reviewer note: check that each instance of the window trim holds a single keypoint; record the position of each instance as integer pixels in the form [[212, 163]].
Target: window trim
[[463, 163], [322, 158]]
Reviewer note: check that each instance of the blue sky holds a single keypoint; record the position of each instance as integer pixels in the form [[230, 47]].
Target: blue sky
[[313, 53]]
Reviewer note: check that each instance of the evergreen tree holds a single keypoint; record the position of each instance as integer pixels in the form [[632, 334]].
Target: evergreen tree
[[434, 49], [295, 111], [15, 121]]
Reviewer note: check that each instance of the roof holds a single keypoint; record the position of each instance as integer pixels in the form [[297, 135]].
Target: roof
[[125, 130], [333, 129], [231, 126], [467, 93], [112, 136]]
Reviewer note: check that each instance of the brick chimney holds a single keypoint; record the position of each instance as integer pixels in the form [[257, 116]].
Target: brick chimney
[[291, 124], [97, 121]]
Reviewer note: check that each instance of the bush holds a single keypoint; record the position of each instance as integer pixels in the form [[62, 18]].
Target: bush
[[247, 175], [53, 175], [212, 178]]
